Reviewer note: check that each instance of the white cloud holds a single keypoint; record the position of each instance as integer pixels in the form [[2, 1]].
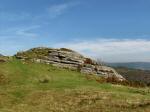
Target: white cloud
[[113, 50]]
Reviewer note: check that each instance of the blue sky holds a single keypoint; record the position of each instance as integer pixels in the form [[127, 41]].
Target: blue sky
[[113, 30]]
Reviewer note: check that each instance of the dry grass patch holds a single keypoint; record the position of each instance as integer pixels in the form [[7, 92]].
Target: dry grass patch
[[80, 101]]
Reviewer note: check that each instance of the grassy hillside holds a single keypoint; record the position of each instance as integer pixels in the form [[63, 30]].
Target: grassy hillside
[[30, 87]]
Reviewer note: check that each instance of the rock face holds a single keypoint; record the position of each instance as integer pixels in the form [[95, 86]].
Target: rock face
[[66, 58]]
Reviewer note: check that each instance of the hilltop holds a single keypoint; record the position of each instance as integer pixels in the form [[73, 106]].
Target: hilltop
[[66, 58]]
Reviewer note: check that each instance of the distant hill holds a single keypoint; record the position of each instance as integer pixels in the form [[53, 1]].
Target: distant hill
[[1, 55], [134, 74], [135, 65]]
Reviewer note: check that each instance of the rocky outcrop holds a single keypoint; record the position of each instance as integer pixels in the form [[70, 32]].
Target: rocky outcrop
[[66, 58], [3, 58]]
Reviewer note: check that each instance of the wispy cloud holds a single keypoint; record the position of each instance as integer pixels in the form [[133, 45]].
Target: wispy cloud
[[59, 9], [10, 16], [20, 32], [17, 38], [113, 49], [27, 31]]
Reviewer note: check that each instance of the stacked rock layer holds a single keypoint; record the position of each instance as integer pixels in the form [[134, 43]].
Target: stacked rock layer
[[66, 58]]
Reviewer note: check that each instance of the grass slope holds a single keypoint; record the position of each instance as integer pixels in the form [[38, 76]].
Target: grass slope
[[30, 87]]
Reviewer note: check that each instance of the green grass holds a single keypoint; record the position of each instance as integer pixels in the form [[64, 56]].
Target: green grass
[[25, 90]]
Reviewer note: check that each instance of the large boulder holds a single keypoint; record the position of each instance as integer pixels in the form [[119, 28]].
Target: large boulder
[[66, 58]]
